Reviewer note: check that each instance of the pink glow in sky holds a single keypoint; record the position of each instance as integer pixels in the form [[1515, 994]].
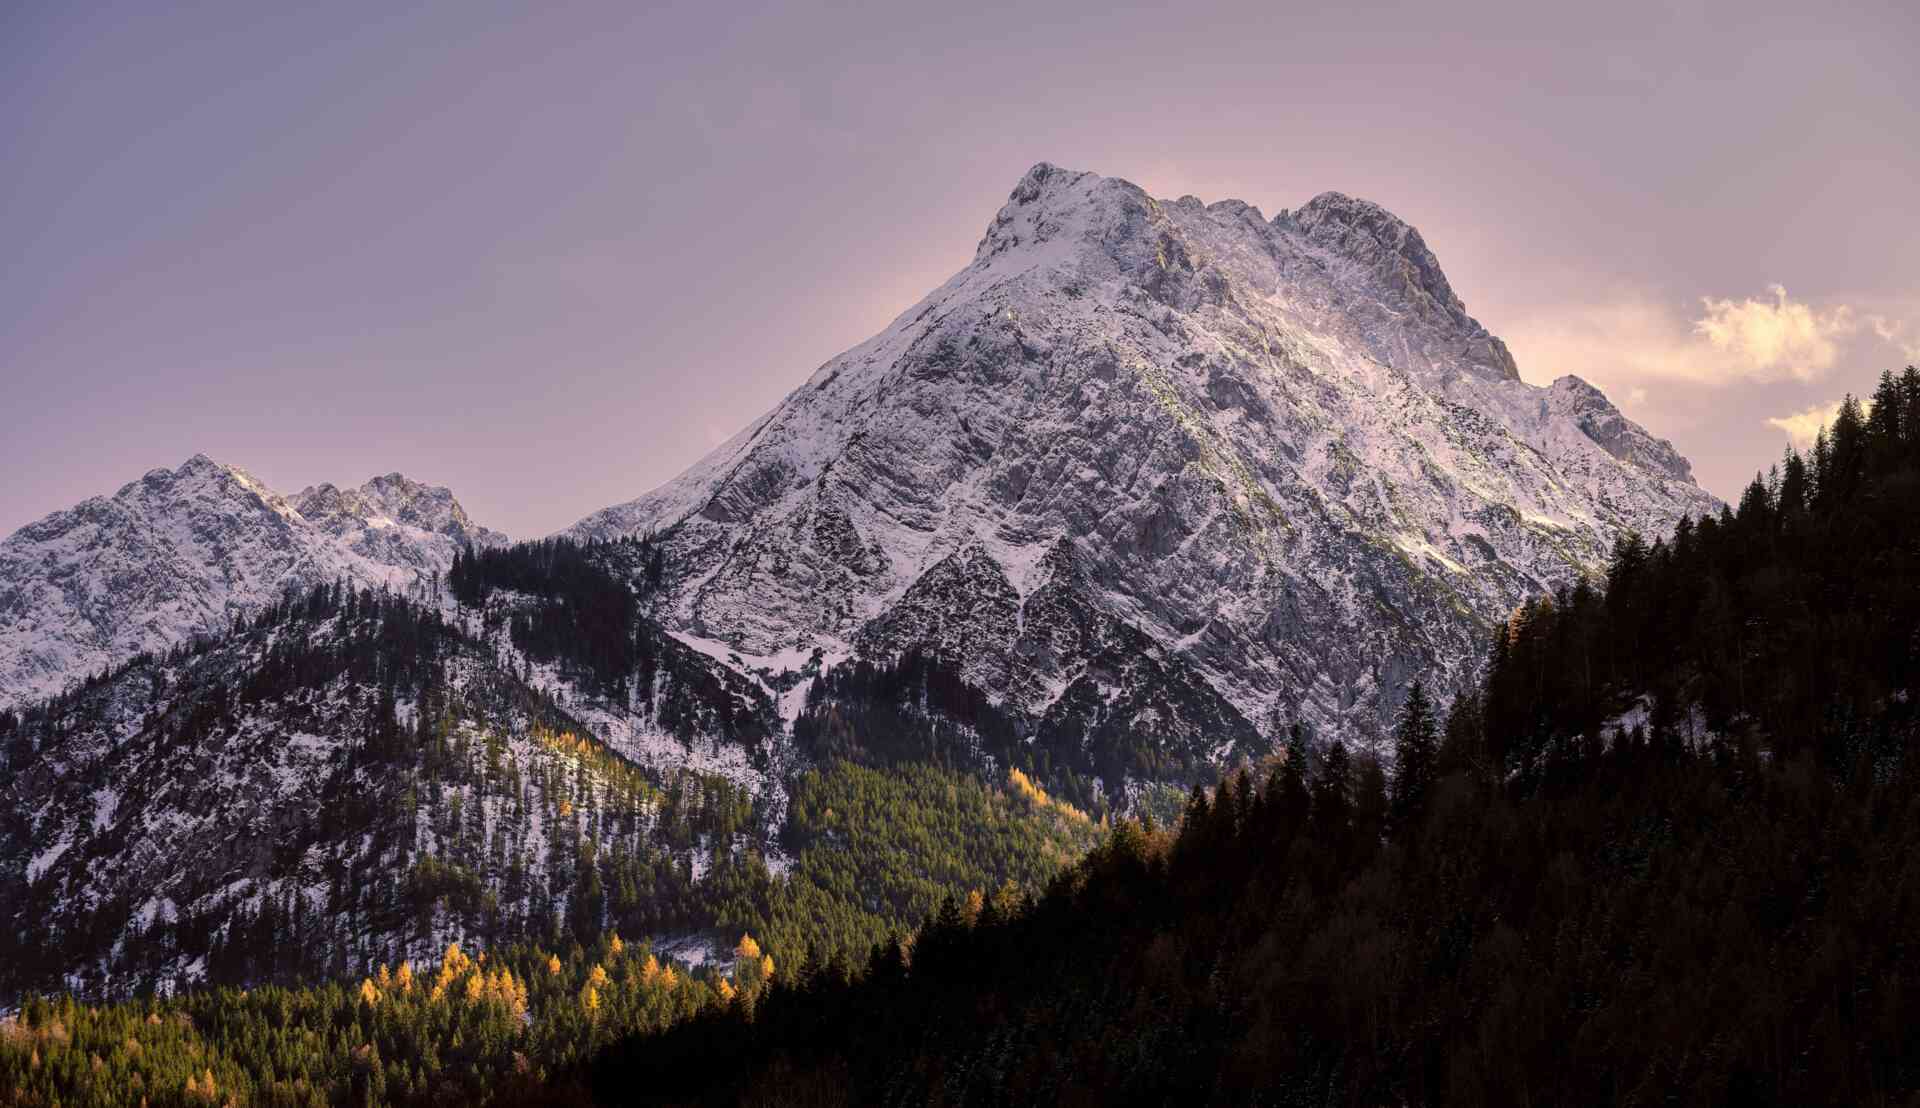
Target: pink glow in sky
[[548, 255]]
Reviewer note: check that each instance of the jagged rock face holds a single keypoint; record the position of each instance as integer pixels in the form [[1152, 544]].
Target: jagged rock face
[[182, 552], [1277, 454], [388, 504], [394, 521]]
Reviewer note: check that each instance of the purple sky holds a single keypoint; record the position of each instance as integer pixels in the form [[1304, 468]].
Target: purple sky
[[549, 254]]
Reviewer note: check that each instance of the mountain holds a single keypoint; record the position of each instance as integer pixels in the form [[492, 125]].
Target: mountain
[[345, 778], [1274, 460], [1665, 849], [946, 642], [184, 552], [392, 520]]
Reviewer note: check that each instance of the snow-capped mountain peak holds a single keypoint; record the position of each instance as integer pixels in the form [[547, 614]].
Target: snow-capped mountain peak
[[393, 500], [1283, 453], [183, 552]]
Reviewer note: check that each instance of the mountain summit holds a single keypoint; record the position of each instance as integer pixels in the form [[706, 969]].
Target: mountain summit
[[183, 552], [1273, 461]]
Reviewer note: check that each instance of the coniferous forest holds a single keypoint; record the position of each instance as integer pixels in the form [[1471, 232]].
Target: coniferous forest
[[1665, 849]]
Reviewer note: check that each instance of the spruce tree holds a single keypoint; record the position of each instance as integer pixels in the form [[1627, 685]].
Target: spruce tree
[[1293, 775], [1416, 743]]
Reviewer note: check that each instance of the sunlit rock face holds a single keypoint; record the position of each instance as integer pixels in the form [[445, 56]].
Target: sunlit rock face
[[185, 552], [1272, 457]]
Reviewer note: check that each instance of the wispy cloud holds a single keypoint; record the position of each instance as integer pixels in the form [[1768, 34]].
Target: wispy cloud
[[1896, 333]]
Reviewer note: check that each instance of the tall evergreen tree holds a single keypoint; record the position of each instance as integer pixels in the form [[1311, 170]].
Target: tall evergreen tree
[[1416, 747], [1333, 795]]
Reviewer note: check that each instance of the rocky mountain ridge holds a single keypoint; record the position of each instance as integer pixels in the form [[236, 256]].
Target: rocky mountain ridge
[[1279, 449], [184, 552]]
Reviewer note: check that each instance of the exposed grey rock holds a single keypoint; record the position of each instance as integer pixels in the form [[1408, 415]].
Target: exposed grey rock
[[1278, 452], [184, 552]]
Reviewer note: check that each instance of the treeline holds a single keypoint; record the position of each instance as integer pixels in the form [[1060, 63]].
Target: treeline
[[582, 607], [470, 1029], [1668, 851], [572, 608], [918, 708]]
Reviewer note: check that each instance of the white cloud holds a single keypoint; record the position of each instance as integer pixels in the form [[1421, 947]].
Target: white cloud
[[1633, 339], [1769, 339], [1801, 427]]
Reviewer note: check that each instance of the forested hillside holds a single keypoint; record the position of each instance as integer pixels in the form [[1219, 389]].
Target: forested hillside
[[1667, 851], [243, 830], [464, 1028], [351, 780]]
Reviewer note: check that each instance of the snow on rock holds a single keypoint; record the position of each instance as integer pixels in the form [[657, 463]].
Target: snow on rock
[[1278, 449], [184, 552]]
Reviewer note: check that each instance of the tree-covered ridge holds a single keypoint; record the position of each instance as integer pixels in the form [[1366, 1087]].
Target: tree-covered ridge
[[1668, 850], [919, 708], [582, 608], [1788, 620], [576, 610], [1642, 929], [350, 780], [875, 851]]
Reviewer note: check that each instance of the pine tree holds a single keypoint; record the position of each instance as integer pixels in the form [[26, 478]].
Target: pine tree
[[1464, 744], [1293, 774], [1416, 744], [1333, 795]]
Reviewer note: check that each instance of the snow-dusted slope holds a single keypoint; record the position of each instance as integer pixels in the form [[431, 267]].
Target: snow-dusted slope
[[355, 763], [1279, 449], [181, 552]]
